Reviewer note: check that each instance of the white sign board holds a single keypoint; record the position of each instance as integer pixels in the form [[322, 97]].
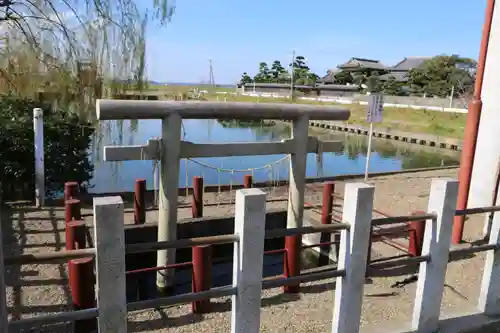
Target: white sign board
[[375, 107]]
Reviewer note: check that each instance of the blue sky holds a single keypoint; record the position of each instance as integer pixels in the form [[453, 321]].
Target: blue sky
[[238, 34]]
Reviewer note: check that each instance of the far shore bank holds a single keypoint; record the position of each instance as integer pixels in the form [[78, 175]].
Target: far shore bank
[[447, 126]]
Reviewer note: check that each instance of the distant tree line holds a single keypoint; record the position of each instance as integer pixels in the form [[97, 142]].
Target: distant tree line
[[440, 76], [302, 74]]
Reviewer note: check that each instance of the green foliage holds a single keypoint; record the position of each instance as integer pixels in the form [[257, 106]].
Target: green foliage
[[245, 78], [264, 74], [393, 88], [67, 141], [69, 48], [278, 74], [373, 83], [368, 79], [302, 73], [439, 75], [343, 77]]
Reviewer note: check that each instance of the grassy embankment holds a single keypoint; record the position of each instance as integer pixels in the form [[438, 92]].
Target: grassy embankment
[[444, 124]]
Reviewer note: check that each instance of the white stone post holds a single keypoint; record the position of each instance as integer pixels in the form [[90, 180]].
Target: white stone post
[[489, 296], [358, 206], [3, 299], [249, 225], [168, 195], [298, 163], [39, 157], [437, 240], [109, 238]]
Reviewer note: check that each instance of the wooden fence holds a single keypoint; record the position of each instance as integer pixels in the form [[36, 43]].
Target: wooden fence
[[248, 239]]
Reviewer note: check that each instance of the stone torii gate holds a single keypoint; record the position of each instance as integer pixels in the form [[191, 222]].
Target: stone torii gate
[[170, 149]]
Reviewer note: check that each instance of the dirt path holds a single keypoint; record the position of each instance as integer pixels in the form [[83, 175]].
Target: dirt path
[[42, 289]]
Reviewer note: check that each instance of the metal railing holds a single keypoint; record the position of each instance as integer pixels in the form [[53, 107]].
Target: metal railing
[[250, 233]]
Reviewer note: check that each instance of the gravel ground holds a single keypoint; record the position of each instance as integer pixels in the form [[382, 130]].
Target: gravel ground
[[388, 299]]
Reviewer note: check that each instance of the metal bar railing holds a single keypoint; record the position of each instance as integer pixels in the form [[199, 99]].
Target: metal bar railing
[[181, 243], [49, 257], [479, 210], [53, 319], [181, 299], [309, 277], [399, 262], [277, 233], [401, 219], [230, 290]]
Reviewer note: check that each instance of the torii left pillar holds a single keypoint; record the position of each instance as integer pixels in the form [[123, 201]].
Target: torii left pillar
[[167, 150]]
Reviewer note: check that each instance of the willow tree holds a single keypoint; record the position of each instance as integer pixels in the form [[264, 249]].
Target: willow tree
[[76, 49]]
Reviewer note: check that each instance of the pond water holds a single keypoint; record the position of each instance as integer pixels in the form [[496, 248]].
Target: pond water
[[120, 176]]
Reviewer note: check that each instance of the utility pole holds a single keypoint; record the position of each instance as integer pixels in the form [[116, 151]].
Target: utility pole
[[211, 76], [451, 95], [292, 78]]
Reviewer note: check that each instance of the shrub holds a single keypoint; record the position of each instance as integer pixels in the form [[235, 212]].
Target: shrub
[[66, 139]]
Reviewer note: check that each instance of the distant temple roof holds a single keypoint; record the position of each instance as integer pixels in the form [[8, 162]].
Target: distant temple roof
[[330, 76], [362, 63], [409, 63], [401, 76]]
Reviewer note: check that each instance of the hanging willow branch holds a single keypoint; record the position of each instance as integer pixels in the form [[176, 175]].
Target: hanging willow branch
[[76, 46]]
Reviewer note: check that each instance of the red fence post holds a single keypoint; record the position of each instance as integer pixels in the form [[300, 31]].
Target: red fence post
[[197, 199], [81, 272], [70, 190], [247, 181], [72, 210], [202, 276], [326, 212], [75, 235], [416, 231], [292, 261], [326, 218], [139, 201]]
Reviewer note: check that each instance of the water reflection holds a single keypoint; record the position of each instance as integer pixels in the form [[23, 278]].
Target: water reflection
[[119, 176]]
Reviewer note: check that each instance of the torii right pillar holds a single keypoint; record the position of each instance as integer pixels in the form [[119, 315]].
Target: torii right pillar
[[486, 155]]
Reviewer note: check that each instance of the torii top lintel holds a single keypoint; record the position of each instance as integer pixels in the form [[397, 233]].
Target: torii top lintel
[[110, 109]]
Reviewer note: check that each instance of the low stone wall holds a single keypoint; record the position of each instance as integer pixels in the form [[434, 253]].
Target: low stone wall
[[419, 103], [416, 138], [198, 227], [189, 228]]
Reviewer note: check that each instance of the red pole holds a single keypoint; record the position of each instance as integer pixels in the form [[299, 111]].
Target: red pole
[[292, 261], [71, 212], [81, 272], [202, 276], [326, 218], [139, 201], [76, 212], [326, 212], [247, 181], [416, 235], [75, 232], [197, 201], [472, 129], [70, 190]]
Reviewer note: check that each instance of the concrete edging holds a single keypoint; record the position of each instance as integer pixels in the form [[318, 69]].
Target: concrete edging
[[413, 138]]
